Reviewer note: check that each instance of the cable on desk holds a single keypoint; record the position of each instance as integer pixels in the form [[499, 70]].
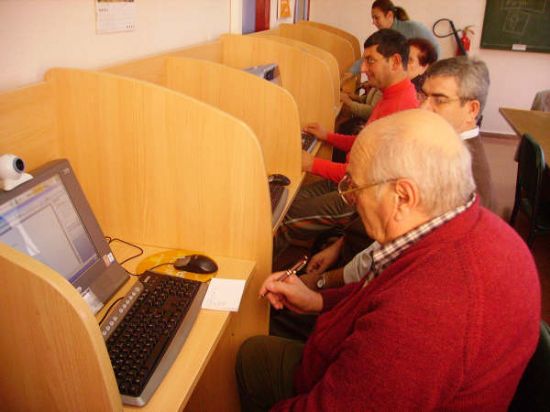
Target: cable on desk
[[130, 273], [109, 309], [115, 239], [159, 265]]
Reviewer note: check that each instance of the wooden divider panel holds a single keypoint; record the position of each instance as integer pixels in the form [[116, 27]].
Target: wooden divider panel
[[328, 59], [152, 69], [342, 33], [165, 169], [159, 167], [28, 126], [333, 43], [52, 353], [211, 51], [304, 75], [268, 109]]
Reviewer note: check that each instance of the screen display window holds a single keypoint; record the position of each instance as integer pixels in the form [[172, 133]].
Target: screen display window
[[43, 223]]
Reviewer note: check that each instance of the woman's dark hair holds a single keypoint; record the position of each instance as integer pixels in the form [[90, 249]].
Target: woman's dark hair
[[427, 54], [386, 5]]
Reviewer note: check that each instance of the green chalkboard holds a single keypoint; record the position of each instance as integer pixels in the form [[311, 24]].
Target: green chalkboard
[[520, 25]]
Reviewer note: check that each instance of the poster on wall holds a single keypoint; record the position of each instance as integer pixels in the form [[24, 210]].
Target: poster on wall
[[284, 9], [115, 16]]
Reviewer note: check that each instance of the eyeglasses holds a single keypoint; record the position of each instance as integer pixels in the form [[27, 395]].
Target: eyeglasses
[[437, 100], [345, 188]]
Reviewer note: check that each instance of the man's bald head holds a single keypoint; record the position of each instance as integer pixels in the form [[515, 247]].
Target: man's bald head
[[420, 146]]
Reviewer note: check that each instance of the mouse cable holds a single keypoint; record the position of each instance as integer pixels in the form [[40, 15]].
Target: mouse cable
[[109, 309], [149, 269], [159, 265], [139, 253]]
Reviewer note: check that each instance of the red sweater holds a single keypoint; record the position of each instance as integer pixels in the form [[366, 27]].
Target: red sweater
[[449, 325], [400, 96]]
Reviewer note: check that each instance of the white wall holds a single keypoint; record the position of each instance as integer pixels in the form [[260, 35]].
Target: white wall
[[515, 76], [36, 35]]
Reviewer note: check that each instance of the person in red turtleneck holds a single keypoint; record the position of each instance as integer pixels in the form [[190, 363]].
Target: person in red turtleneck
[[317, 207], [386, 70]]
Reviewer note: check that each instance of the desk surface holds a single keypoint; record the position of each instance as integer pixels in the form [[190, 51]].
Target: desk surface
[[178, 384], [534, 122]]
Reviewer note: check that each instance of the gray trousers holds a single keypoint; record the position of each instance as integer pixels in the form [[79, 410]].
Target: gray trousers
[[317, 209]]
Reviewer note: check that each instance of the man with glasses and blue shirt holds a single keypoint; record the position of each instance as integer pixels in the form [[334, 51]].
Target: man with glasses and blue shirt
[[447, 316]]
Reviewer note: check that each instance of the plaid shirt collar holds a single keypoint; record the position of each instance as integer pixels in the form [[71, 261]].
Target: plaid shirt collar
[[383, 256]]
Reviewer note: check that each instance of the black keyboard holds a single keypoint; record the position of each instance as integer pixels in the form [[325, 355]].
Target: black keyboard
[[308, 142], [278, 194], [147, 330]]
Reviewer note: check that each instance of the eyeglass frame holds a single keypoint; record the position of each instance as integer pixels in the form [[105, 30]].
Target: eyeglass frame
[[422, 97], [343, 193]]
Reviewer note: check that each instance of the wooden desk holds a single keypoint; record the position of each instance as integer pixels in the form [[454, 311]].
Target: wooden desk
[[177, 386], [536, 123]]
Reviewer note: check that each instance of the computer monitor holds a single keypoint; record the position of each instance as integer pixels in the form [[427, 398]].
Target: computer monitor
[[49, 219], [268, 72]]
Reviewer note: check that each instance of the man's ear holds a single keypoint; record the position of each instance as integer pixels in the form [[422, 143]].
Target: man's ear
[[407, 198], [474, 108], [396, 62]]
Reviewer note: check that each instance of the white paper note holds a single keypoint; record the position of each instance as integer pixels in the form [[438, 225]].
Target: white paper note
[[224, 294]]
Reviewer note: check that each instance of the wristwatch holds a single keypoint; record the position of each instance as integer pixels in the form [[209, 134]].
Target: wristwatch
[[322, 281]]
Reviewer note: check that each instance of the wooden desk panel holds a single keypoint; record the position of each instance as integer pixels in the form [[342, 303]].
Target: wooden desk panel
[[534, 122]]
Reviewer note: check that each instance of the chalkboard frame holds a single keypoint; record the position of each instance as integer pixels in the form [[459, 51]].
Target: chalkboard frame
[[517, 25]]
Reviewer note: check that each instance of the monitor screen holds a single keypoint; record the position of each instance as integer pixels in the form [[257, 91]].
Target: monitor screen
[[49, 219], [268, 72]]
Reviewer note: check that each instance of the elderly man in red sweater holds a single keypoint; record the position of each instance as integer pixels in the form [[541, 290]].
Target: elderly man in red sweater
[[317, 207], [447, 317]]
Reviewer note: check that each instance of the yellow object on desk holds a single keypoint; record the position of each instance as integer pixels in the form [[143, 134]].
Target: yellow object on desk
[[162, 262]]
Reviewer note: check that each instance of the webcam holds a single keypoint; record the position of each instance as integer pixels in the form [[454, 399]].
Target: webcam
[[12, 172]]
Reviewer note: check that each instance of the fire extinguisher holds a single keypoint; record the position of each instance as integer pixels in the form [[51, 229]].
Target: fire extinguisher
[[465, 40]]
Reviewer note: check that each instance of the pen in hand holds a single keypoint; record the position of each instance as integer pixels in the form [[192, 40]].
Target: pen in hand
[[289, 272]]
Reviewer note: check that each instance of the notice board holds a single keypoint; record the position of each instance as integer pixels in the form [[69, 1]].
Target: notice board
[[519, 25]]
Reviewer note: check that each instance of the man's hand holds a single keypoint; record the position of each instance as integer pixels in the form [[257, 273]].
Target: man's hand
[[346, 76], [345, 98], [307, 161], [316, 130], [290, 293], [320, 262]]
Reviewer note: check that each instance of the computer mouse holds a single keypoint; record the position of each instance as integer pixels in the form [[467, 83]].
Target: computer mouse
[[278, 179], [196, 264]]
